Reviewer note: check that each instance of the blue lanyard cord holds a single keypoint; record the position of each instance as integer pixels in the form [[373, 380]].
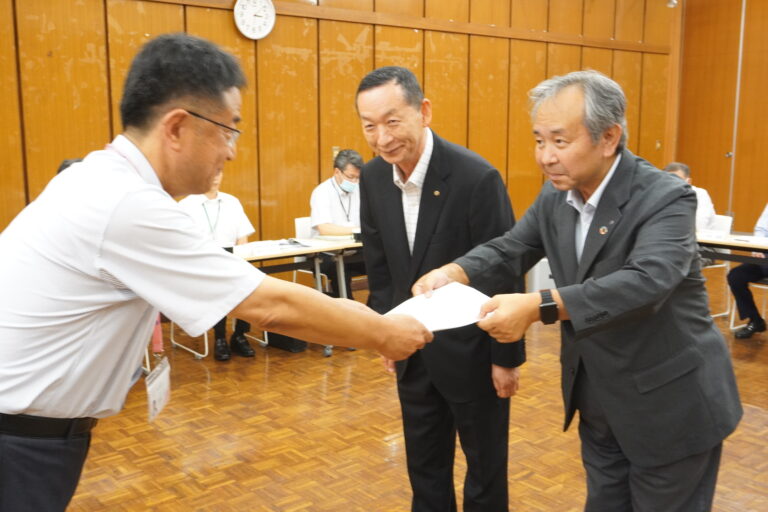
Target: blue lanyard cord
[[212, 227]]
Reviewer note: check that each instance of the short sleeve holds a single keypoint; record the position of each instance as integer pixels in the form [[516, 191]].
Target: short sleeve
[[152, 248], [321, 206]]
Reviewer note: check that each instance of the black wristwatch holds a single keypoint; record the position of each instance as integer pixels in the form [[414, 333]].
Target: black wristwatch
[[547, 308]]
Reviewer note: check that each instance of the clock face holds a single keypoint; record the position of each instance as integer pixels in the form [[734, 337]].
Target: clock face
[[254, 18]]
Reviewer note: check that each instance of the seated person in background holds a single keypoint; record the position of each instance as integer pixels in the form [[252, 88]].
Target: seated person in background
[[705, 210], [66, 163], [221, 217], [739, 279], [335, 207]]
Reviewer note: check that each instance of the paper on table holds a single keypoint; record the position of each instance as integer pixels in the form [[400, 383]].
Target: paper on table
[[453, 305]]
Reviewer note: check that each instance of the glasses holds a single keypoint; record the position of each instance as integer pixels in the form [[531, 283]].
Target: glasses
[[234, 133], [353, 179]]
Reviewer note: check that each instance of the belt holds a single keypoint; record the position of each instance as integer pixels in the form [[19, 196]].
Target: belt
[[36, 426]]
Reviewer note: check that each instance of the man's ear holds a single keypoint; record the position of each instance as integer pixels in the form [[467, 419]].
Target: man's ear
[[426, 112], [173, 125], [610, 140]]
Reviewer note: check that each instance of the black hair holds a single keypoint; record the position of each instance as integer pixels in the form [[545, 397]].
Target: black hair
[[173, 66], [346, 157], [678, 166], [400, 76], [66, 163]]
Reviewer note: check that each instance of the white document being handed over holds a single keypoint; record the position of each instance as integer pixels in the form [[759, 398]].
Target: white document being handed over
[[453, 305]]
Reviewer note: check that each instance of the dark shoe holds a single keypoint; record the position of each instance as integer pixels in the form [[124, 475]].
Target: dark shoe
[[241, 346], [221, 350], [751, 328]]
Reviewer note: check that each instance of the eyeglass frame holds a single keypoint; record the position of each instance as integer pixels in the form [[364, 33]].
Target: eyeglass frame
[[235, 133], [353, 179]]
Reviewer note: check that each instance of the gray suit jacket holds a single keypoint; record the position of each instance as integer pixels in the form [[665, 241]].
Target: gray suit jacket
[[639, 312]]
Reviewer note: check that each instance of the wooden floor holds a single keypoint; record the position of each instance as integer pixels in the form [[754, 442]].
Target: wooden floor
[[300, 432]]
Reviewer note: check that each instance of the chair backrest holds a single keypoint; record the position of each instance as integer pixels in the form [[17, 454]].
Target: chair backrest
[[303, 226], [722, 224]]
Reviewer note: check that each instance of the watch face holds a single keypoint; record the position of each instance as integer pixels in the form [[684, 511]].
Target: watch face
[[254, 18]]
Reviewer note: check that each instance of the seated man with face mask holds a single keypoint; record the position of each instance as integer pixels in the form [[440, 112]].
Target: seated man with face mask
[[335, 207]]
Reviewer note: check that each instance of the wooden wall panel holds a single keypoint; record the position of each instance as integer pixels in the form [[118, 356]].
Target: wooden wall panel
[[400, 47], [408, 7], [627, 71], [658, 22], [565, 16], [64, 83], [12, 190], [528, 62], [346, 56], [629, 20], [241, 176], [488, 84], [562, 59], [446, 77], [706, 134], [361, 5], [653, 99], [130, 24], [598, 59], [599, 18], [751, 179], [492, 12], [529, 14], [454, 10], [288, 123]]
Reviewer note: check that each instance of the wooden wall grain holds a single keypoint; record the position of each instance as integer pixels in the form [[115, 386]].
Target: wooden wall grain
[[62, 65]]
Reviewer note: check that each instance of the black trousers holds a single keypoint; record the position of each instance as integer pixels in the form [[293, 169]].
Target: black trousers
[[220, 329], [615, 484], [430, 424], [738, 280], [40, 474], [328, 267]]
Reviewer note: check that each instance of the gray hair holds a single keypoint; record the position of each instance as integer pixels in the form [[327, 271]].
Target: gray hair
[[604, 102], [346, 157]]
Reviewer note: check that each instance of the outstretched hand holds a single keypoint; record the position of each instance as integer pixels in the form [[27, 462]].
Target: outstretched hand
[[512, 314], [405, 336]]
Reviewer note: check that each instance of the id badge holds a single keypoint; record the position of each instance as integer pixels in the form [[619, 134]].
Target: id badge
[[158, 388]]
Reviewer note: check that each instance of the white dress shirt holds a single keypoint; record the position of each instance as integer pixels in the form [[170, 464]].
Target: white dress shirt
[[222, 218], [84, 270], [331, 205], [411, 189], [761, 227], [705, 210], [587, 211]]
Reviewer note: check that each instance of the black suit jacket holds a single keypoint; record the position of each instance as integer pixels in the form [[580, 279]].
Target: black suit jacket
[[463, 203], [639, 318]]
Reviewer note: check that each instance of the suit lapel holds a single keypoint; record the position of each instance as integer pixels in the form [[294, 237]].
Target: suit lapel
[[434, 192], [392, 209], [566, 239], [607, 215]]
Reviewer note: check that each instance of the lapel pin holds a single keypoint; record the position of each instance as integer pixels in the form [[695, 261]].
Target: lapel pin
[[436, 192], [603, 230]]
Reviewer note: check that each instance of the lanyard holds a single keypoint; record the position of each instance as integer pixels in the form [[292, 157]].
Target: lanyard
[[212, 227], [348, 209]]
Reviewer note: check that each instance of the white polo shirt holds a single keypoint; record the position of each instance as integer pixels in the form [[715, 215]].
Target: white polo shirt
[[84, 270], [222, 219], [331, 205]]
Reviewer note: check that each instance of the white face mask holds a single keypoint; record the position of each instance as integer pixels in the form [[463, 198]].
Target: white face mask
[[348, 186]]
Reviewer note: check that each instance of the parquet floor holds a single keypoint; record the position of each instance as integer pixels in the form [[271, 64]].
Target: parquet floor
[[299, 432]]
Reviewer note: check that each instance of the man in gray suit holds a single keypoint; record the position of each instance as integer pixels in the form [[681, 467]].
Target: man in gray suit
[[642, 361]]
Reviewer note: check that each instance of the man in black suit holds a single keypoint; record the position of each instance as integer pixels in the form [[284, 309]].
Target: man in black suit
[[424, 202]]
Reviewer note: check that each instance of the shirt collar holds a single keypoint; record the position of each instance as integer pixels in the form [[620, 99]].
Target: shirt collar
[[123, 146], [574, 198], [420, 171]]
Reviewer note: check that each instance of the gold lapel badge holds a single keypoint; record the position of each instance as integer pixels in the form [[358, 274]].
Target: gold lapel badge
[[603, 230], [436, 192]]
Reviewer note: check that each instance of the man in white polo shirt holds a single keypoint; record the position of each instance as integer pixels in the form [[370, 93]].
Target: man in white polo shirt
[[335, 207], [86, 267]]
